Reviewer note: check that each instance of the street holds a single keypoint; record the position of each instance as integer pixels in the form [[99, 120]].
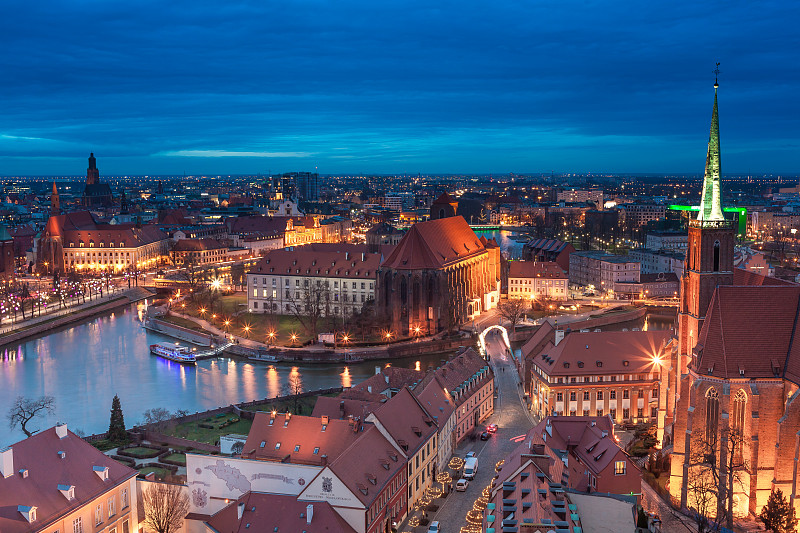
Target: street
[[513, 421]]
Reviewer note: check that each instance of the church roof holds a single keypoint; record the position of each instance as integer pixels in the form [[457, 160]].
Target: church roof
[[445, 198], [742, 276], [435, 244], [751, 332]]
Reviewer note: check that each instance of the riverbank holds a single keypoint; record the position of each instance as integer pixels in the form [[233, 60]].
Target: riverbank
[[39, 326]]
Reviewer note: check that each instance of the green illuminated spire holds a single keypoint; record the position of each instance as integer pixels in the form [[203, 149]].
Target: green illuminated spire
[[711, 201]]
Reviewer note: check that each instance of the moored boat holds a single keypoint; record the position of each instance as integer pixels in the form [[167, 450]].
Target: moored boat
[[173, 352]]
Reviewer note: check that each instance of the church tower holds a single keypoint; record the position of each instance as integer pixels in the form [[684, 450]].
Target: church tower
[[55, 202], [92, 174], [709, 258]]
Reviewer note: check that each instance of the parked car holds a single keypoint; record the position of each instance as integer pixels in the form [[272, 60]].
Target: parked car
[[462, 484], [491, 428], [434, 527], [485, 435]]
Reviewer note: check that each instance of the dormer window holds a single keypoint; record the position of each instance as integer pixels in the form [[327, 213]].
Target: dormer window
[[68, 491], [29, 512], [277, 445]]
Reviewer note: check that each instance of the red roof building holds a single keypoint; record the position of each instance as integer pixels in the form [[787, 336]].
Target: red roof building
[[439, 274], [55, 481]]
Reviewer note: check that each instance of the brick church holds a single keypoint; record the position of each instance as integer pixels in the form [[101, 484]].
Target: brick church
[[733, 397], [440, 274]]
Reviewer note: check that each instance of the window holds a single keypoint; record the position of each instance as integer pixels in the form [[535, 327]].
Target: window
[[112, 507], [586, 396], [640, 412], [77, 525], [98, 514], [619, 468], [277, 445], [124, 498], [599, 412], [316, 450], [585, 412], [296, 448], [572, 396], [612, 413], [599, 395], [125, 527], [653, 412], [559, 396], [739, 405], [712, 416], [626, 394], [716, 256]]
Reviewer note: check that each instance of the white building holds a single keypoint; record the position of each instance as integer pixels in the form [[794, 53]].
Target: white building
[[537, 280], [285, 278]]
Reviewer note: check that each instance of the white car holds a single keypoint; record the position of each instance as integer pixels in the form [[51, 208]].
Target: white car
[[469, 454], [434, 527], [461, 485]]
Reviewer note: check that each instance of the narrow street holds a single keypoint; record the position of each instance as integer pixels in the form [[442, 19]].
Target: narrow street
[[513, 421]]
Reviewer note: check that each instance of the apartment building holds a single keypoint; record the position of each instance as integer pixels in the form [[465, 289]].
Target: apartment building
[[537, 280], [54, 481], [614, 373], [284, 279]]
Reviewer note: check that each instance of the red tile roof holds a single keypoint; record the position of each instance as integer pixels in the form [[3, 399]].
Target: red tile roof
[[460, 370], [435, 244], [583, 436], [406, 421], [368, 465], [753, 330], [343, 408], [305, 262], [604, 352], [750, 278], [197, 245], [276, 512], [535, 269], [294, 438], [390, 380], [46, 471]]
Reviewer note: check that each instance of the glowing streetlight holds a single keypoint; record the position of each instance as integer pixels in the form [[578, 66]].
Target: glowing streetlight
[[216, 283]]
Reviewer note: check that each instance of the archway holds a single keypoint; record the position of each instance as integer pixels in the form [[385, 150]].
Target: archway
[[482, 339]]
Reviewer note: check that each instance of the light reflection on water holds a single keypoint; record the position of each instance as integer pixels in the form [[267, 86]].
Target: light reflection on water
[[85, 365]]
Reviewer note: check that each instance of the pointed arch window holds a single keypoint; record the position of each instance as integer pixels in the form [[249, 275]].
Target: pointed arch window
[[712, 416], [737, 423], [716, 256]]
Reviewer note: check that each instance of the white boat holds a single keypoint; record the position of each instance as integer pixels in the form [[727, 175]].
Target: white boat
[[173, 352]]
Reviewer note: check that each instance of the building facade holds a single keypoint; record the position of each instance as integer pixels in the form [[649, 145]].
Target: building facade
[[439, 275], [76, 242], [285, 281], [537, 281], [601, 373], [54, 481]]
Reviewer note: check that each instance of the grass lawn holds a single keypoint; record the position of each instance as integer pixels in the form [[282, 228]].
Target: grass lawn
[[177, 457], [193, 431], [141, 452], [233, 308], [105, 444], [160, 473]]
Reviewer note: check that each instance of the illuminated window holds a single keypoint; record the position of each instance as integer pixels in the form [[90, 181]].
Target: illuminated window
[[712, 416], [619, 468]]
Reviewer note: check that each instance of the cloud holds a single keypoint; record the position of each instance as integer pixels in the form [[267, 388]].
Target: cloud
[[226, 153]]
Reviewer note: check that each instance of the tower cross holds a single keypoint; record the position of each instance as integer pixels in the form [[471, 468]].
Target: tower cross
[[716, 74]]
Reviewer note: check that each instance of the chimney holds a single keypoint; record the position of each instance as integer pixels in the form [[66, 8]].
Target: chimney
[[240, 510], [309, 512], [559, 336], [7, 462], [61, 430]]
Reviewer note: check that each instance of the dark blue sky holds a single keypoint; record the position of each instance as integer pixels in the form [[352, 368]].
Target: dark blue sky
[[383, 87]]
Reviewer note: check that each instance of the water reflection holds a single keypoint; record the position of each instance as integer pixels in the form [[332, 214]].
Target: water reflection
[[273, 382], [347, 381]]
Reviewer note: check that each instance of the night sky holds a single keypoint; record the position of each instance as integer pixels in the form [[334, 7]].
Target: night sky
[[388, 87]]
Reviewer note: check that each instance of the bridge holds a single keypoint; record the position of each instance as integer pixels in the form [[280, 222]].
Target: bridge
[[493, 227]]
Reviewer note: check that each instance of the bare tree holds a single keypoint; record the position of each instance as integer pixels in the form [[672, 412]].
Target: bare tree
[[23, 410], [715, 469], [512, 310], [310, 304], [158, 417], [165, 507], [294, 387]]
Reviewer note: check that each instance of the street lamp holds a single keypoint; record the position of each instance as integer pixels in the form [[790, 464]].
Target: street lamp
[[271, 337]]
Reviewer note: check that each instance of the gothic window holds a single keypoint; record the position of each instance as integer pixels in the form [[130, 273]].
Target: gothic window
[[712, 415], [716, 256], [739, 406]]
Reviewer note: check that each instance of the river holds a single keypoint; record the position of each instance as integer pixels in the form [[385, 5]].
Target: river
[[84, 365]]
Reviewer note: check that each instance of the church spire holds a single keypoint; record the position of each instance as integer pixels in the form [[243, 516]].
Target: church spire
[[711, 200], [55, 202]]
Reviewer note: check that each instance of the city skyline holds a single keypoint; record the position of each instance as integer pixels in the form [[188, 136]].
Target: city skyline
[[390, 89]]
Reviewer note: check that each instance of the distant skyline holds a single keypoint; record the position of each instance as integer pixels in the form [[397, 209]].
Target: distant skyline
[[406, 87]]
